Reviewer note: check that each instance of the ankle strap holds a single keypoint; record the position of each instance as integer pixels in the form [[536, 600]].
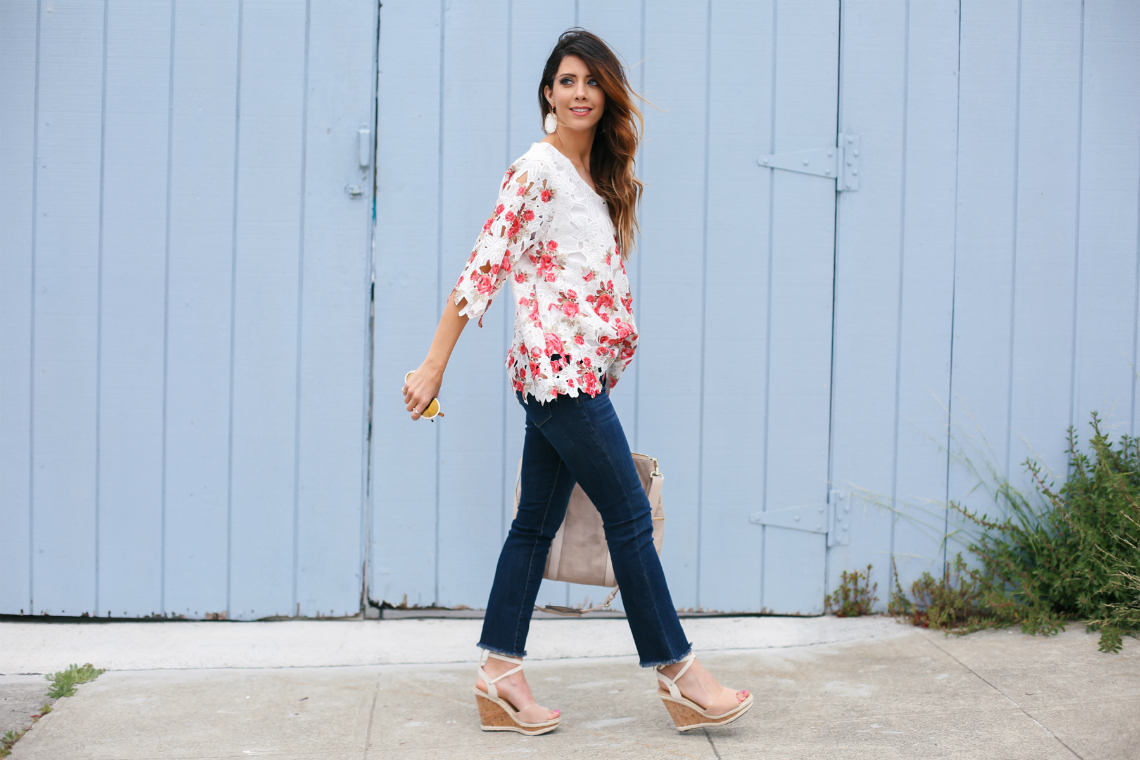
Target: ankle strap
[[492, 691], [672, 682], [503, 657]]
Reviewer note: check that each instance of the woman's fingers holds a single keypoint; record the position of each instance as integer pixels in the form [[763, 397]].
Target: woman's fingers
[[419, 390]]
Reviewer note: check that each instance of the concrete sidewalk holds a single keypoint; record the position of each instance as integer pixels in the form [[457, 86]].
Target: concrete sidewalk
[[858, 688]]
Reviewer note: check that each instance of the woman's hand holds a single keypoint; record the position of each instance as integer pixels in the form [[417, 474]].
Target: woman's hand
[[422, 387]]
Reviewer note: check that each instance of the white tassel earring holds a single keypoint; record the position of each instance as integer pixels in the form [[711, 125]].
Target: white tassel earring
[[550, 124]]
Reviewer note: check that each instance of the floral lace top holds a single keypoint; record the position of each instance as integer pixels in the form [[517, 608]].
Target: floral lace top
[[552, 237]]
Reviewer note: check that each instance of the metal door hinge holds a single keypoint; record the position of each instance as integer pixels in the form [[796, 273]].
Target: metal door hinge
[[832, 519], [808, 519], [840, 534], [840, 162]]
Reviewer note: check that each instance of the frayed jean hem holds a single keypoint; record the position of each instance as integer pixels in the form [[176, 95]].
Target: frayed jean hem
[[503, 652], [663, 663]]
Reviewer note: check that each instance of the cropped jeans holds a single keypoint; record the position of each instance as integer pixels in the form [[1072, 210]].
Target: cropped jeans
[[580, 440]]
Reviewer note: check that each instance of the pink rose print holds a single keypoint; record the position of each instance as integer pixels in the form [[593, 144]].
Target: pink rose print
[[579, 340], [590, 383], [553, 344], [546, 196], [552, 245]]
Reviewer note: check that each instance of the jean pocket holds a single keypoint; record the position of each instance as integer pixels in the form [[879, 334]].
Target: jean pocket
[[540, 415], [537, 414]]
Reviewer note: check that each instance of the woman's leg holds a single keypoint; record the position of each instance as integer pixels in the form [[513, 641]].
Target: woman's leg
[[588, 438], [546, 487]]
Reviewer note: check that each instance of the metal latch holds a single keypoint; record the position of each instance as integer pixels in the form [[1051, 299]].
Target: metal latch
[[364, 135], [832, 519], [840, 163]]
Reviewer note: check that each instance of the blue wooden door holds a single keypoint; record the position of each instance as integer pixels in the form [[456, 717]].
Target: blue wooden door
[[184, 285], [732, 289]]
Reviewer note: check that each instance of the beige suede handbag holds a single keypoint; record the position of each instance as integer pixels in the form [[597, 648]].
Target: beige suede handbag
[[578, 553]]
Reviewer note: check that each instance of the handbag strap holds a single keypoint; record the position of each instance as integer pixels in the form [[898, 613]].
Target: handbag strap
[[571, 612]]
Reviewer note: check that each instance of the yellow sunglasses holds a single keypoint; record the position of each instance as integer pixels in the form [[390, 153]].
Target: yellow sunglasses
[[432, 410]]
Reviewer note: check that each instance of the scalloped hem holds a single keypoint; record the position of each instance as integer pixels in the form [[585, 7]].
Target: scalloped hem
[[474, 310]]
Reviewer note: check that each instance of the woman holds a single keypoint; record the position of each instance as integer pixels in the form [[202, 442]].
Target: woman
[[563, 225]]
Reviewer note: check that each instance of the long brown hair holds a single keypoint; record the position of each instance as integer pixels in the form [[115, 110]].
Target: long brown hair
[[618, 131]]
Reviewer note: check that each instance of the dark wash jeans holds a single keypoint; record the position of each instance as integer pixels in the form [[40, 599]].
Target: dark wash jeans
[[571, 440]]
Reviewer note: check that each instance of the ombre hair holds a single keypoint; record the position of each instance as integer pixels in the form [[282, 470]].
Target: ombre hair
[[617, 133]]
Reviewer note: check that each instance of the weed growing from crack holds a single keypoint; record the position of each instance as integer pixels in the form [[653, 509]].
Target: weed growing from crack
[[855, 595], [63, 682]]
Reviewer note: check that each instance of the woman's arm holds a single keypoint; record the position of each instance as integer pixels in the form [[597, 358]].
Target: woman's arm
[[424, 385]]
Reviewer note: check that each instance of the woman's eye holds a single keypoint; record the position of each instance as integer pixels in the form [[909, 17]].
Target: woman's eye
[[594, 82], [567, 81]]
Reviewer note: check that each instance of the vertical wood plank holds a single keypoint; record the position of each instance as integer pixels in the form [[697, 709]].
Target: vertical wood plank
[[133, 304], [335, 302], [927, 292], [670, 318], [66, 309], [984, 254], [18, 40], [1046, 234], [740, 130], [471, 463], [868, 260], [198, 372], [1107, 254], [802, 251], [409, 297], [266, 261]]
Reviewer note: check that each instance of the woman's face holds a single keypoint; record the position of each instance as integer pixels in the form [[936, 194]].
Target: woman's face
[[577, 97]]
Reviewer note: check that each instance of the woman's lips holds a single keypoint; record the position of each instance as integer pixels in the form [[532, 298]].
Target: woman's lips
[[581, 112]]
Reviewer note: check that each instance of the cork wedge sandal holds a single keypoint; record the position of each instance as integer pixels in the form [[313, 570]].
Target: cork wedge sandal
[[496, 713], [686, 713]]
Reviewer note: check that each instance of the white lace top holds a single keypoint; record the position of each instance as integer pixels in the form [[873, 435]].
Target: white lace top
[[553, 237]]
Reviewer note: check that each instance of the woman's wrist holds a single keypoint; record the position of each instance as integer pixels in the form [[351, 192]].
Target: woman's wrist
[[434, 364]]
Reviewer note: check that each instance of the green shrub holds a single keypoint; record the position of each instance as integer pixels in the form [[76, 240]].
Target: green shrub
[[1069, 553]]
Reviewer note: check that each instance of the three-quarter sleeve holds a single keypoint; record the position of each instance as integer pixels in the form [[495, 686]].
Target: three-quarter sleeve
[[625, 345], [515, 226]]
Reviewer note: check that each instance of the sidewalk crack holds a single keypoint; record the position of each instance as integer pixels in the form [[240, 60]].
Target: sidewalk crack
[[372, 716], [709, 737], [1011, 700]]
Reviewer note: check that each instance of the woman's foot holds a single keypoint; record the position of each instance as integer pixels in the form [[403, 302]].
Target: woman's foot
[[700, 686], [515, 690]]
